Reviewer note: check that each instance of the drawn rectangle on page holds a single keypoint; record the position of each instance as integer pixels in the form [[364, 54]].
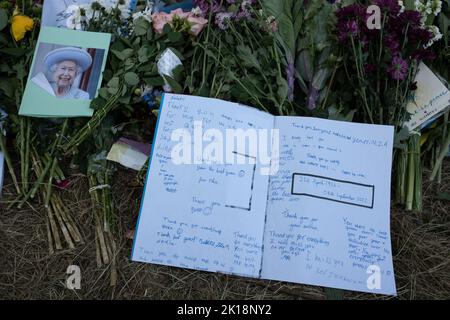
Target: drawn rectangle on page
[[240, 181], [347, 192]]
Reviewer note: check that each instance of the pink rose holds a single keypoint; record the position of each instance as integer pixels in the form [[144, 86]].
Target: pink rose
[[197, 24], [160, 19], [180, 13]]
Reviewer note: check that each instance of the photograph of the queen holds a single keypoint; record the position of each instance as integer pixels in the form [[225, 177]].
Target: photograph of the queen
[[67, 72]]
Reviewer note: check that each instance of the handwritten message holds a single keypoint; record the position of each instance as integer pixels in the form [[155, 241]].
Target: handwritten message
[[430, 99], [202, 214], [322, 218], [328, 206]]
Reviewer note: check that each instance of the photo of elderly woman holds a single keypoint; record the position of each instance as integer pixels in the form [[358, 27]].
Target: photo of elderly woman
[[68, 72]]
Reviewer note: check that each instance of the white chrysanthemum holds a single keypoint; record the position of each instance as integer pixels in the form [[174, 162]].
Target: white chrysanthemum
[[74, 17], [89, 12], [402, 6], [146, 14], [436, 6], [125, 9], [196, 11], [424, 7], [437, 35]]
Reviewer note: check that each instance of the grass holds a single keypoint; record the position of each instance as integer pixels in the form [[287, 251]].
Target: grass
[[421, 247]]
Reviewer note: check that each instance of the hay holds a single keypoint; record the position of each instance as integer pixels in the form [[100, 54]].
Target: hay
[[27, 270]]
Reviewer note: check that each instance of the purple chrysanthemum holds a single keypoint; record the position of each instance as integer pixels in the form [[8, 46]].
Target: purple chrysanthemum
[[349, 19], [208, 6], [391, 41], [348, 29], [398, 69], [390, 6], [222, 19], [423, 54]]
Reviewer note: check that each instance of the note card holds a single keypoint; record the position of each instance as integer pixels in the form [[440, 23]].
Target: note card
[[431, 98], [235, 190]]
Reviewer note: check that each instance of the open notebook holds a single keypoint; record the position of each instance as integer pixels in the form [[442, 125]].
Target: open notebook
[[310, 204]]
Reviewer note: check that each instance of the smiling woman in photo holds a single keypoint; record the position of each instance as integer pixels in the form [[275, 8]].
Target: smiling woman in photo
[[63, 66]]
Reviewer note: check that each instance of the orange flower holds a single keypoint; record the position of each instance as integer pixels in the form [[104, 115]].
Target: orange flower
[[20, 25]]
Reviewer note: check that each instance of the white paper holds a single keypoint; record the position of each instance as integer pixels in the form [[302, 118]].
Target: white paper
[[166, 64], [127, 156], [329, 205], [1, 171], [202, 216], [322, 219], [430, 99]]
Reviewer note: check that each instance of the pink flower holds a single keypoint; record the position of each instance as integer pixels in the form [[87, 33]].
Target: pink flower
[[160, 19], [197, 24], [180, 13]]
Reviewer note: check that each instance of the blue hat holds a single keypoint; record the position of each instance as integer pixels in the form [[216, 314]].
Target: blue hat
[[81, 57]]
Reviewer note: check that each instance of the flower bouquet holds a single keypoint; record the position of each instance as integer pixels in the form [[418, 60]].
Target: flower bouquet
[[381, 64]]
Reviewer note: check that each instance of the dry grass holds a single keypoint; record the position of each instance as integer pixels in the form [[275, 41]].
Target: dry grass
[[421, 246]]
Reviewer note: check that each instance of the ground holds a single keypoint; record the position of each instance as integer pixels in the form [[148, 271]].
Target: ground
[[421, 248]]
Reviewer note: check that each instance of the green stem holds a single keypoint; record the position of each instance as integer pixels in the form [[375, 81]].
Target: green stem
[[9, 162], [442, 154], [410, 175]]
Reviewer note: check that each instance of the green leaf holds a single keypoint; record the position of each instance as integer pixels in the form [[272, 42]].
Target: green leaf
[[145, 53], [247, 57], [154, 81], [175, 36], [97, 103], [141, 26], [283, 88], [282, 11], [320, 78], [304, 66], [3, 19], [129, 64], [123, 55], [167, 28], [131, 79], [16, 52], [177, 53], [7, 87], [113, 85], [335, 114], [176, 87], [444, 25], [104, 93], [20, 70], [178, 72]]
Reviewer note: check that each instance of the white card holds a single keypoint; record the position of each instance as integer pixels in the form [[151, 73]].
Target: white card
[[430, 99]]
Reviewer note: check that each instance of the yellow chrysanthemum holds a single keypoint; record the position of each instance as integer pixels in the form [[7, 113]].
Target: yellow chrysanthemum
[[20, 25]]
